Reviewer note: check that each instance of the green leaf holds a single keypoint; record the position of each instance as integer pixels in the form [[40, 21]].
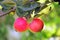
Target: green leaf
[[3, 31], [9, 20], [57, 9], [20, 12], [7, 5], [28, 7], [23, 10]]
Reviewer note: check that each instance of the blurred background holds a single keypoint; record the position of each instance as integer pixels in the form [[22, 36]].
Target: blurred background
[[51, 30]]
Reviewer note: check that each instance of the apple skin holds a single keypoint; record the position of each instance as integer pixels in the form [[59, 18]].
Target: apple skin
[[20, 24], [36, 25]]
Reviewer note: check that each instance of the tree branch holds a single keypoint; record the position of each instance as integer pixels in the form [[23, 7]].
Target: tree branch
[[5, 13]]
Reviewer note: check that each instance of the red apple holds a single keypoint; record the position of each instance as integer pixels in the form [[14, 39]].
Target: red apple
[[20, 24], [36, 25]]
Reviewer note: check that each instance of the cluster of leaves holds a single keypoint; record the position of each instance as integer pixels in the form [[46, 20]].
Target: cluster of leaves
[[23, 7]]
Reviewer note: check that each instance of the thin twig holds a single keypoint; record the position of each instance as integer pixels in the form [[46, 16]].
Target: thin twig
[[5, 13]]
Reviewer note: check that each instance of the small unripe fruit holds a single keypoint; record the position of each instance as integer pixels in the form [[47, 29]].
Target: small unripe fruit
[[36, 25], [20, 24]]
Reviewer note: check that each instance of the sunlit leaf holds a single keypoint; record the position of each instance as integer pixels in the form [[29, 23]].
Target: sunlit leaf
[[49, 30]]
